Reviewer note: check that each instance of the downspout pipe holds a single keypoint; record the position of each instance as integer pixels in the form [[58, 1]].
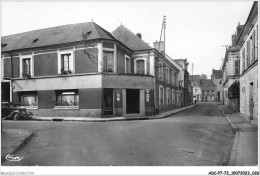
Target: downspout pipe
[[154, 84]]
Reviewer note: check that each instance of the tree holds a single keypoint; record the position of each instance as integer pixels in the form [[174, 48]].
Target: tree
[[203, 76]]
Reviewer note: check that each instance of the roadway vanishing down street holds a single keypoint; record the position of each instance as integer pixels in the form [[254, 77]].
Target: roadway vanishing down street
[[200, 136]]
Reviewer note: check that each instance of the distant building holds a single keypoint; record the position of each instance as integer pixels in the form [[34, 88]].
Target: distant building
[[184, 80], [248, 43], [208, 90], [216, 77], [230, 70], [195, 82]]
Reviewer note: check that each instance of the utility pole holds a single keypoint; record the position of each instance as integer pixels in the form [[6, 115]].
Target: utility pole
[[164, 19], [163, 30]]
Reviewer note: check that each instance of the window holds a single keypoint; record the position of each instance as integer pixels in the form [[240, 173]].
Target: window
[[207, 91], [167, 96], [167, 75], [173, 79], [203, 92], [67, 98], [160, 71], [212, 91], [243, 58], [173, 97], [127, 65], [26, 66], [253, 46], [65, 62], [248, 54], [237, 67], [256, 43], [140, 66], [29, 99], [161, 96], [108, 61]]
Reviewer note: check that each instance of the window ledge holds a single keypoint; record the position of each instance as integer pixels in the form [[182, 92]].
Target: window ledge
[[30, 107], [66, 107]]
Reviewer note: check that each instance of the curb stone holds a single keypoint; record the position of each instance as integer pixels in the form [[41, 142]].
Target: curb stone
[[230, 124], [232, 157], [82, 119], [233, 154], [18, 145], [167, 115]]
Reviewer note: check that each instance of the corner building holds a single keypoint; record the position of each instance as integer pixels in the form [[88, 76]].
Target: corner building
[[82, 70]]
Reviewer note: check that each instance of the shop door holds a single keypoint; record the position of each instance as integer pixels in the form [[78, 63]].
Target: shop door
[[108, 101], [5, 92], [132, 101]]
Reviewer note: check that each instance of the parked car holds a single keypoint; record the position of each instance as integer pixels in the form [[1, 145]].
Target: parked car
[[13, 111]]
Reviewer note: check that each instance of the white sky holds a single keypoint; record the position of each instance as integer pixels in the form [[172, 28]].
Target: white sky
[[194, 30]]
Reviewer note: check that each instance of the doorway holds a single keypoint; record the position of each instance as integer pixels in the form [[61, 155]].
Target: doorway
[[108, 102], [5, 92], [132, 101]]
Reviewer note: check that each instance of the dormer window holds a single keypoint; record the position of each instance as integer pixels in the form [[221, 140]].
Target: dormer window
[[35, 40], [3, 45]]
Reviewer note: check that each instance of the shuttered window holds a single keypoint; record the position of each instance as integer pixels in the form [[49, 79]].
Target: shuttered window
[[237, 67]]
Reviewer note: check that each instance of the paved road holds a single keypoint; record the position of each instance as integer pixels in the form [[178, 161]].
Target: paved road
[[200, 136]]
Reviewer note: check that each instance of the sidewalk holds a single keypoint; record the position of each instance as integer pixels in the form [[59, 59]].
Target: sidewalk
[[245, 146], [13, 140], [91, 119]]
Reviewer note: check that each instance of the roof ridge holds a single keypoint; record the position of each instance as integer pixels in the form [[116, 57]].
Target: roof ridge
[[95, 28], [55, 35], [131, 40], [133, 34], [44, 29], [104, 30]]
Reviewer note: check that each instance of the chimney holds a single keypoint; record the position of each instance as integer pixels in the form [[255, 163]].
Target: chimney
[[234, 39], [239, 28], [156, 46], [139, 35]]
